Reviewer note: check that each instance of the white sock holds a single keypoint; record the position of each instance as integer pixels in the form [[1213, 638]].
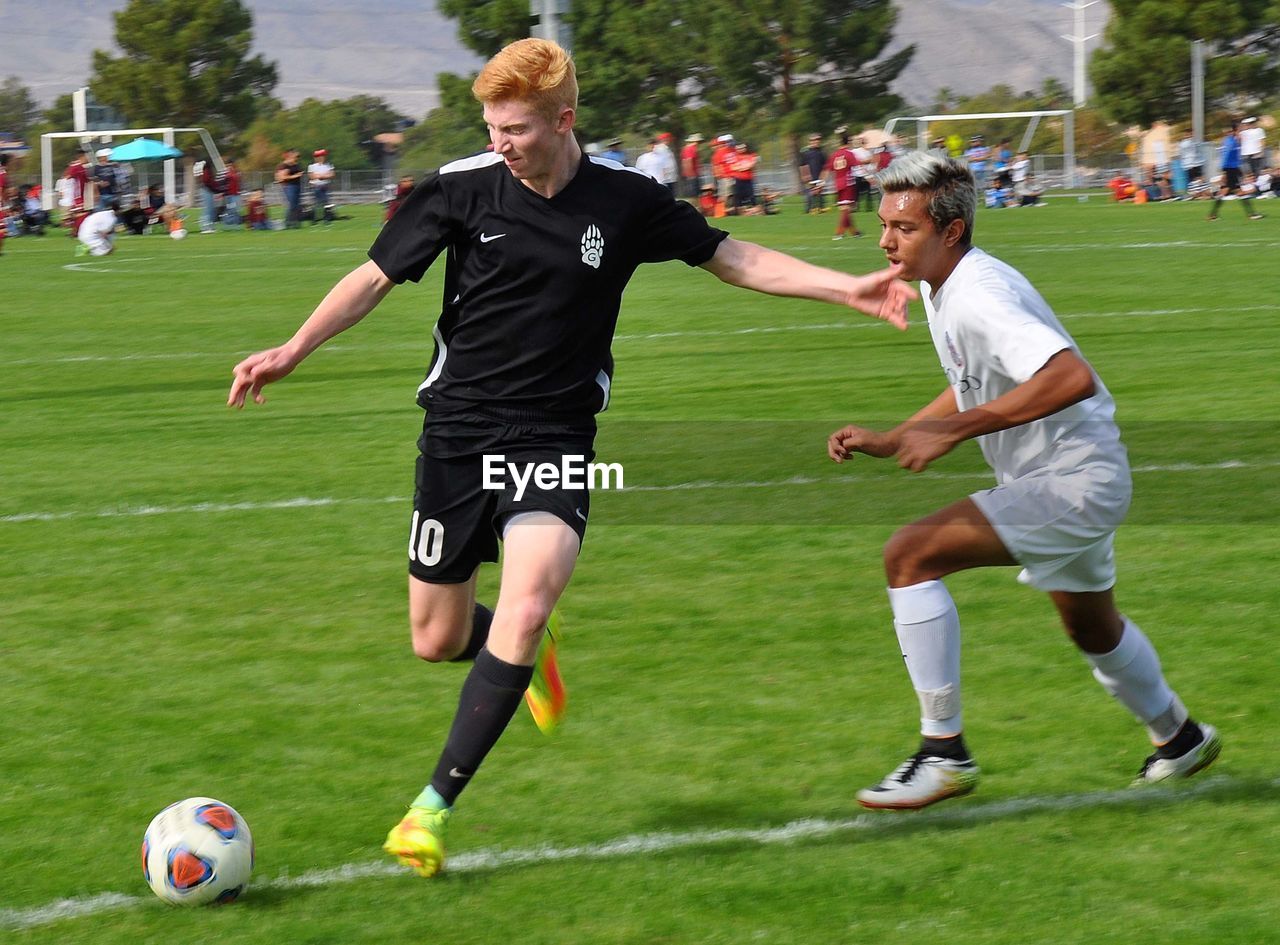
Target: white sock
[[1131, 673], [928, 627]]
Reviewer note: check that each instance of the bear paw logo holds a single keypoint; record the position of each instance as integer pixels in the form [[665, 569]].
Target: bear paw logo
[[592, 247]]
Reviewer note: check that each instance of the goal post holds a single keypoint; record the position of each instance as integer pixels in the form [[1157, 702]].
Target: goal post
[[168, 134], [1067, 115]]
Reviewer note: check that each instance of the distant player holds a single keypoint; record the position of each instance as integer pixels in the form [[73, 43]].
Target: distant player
[[540, 241], [97, 232], [1044, 420], [842, 168]]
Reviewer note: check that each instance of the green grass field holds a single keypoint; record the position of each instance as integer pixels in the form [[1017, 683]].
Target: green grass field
[[199, 601]]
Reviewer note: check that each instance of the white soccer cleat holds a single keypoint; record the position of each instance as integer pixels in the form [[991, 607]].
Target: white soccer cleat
[[921, 780], [1198, 756]]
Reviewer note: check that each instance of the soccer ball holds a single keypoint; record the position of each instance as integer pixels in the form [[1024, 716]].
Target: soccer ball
[[178, 234], [197, 851]]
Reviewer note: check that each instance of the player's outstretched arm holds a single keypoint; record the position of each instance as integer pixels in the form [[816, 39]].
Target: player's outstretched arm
[[855, 439], [880, 294], [354, 297], [1065, 379]]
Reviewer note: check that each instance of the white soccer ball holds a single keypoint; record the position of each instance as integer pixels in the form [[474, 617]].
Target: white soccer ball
[[178, 234], [197, 851]]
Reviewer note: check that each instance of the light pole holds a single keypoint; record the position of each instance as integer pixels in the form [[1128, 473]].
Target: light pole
[[1078, 39]]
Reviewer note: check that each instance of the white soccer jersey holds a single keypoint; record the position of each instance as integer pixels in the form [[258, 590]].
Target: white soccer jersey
[[1252, 140], [97, 231], [993, 331]]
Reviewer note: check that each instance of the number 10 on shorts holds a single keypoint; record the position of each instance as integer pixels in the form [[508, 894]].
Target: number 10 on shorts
[[426, 540]]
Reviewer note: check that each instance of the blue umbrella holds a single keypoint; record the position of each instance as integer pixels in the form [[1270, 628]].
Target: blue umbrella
[[144, 149]]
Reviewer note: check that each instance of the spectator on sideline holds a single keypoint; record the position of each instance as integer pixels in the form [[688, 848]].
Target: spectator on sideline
[[670, 174], [742, 168], [403, 189], [34, 217], [289, 177], [691, 166], [1018, 385], [255, 217], [539, 243], [659, 163], [210, 190], [650, 162], [863, 173], [707, 200], [811, 163], [1189, 155], [231, 193], [320, 177], [107, 179], [979, 156], [76, 190], [1029, 191], [720, 156], [614, 152], [1253, 146]]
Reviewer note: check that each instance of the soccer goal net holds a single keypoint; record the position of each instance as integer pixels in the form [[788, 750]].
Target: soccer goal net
[[1067, 177]]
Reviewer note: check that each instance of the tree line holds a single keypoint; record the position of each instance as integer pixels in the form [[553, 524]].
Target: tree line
[[764, 68]]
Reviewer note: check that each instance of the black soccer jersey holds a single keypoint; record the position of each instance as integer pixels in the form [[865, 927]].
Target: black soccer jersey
[[532, 284]]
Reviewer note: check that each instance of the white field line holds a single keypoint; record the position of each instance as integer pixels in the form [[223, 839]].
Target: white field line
[[872, 825], [624, 337], [307, 502]]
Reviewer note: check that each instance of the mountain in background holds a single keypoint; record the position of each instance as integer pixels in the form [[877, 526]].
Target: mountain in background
[[393, 49], [969, 46]]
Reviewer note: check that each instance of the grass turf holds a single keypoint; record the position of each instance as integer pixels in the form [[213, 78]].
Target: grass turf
[[203, 602]]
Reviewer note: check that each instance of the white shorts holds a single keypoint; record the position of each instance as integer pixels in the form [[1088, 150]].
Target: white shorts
[[1061, 529]]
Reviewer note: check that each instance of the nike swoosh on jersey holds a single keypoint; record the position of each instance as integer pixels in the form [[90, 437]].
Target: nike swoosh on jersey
[[484, 238]]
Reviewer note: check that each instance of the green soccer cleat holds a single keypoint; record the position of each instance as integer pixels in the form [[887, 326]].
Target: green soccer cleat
[[418, 840], [546, 696]]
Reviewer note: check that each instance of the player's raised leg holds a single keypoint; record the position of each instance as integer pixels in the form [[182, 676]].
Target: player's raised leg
[[928, 628], [1126, 665]]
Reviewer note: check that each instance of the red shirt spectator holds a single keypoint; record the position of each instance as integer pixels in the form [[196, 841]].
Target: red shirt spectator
[[720, 159], [255, 212], [690, 159], [742, 163]]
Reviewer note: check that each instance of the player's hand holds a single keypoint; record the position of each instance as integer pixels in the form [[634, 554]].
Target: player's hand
[[259, 369], [883, 295], [920, 445], [855, 439]]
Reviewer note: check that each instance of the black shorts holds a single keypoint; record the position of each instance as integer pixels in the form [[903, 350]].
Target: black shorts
[[461, 503], [1231, 179]]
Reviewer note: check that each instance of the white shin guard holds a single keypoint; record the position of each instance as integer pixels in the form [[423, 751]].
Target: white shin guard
[[928, 628], [1131, 673]]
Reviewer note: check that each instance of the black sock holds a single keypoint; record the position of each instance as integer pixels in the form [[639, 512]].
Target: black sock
[[490, 696], [1187, 738], [481, 621], [1216, 204], [953, 748]]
